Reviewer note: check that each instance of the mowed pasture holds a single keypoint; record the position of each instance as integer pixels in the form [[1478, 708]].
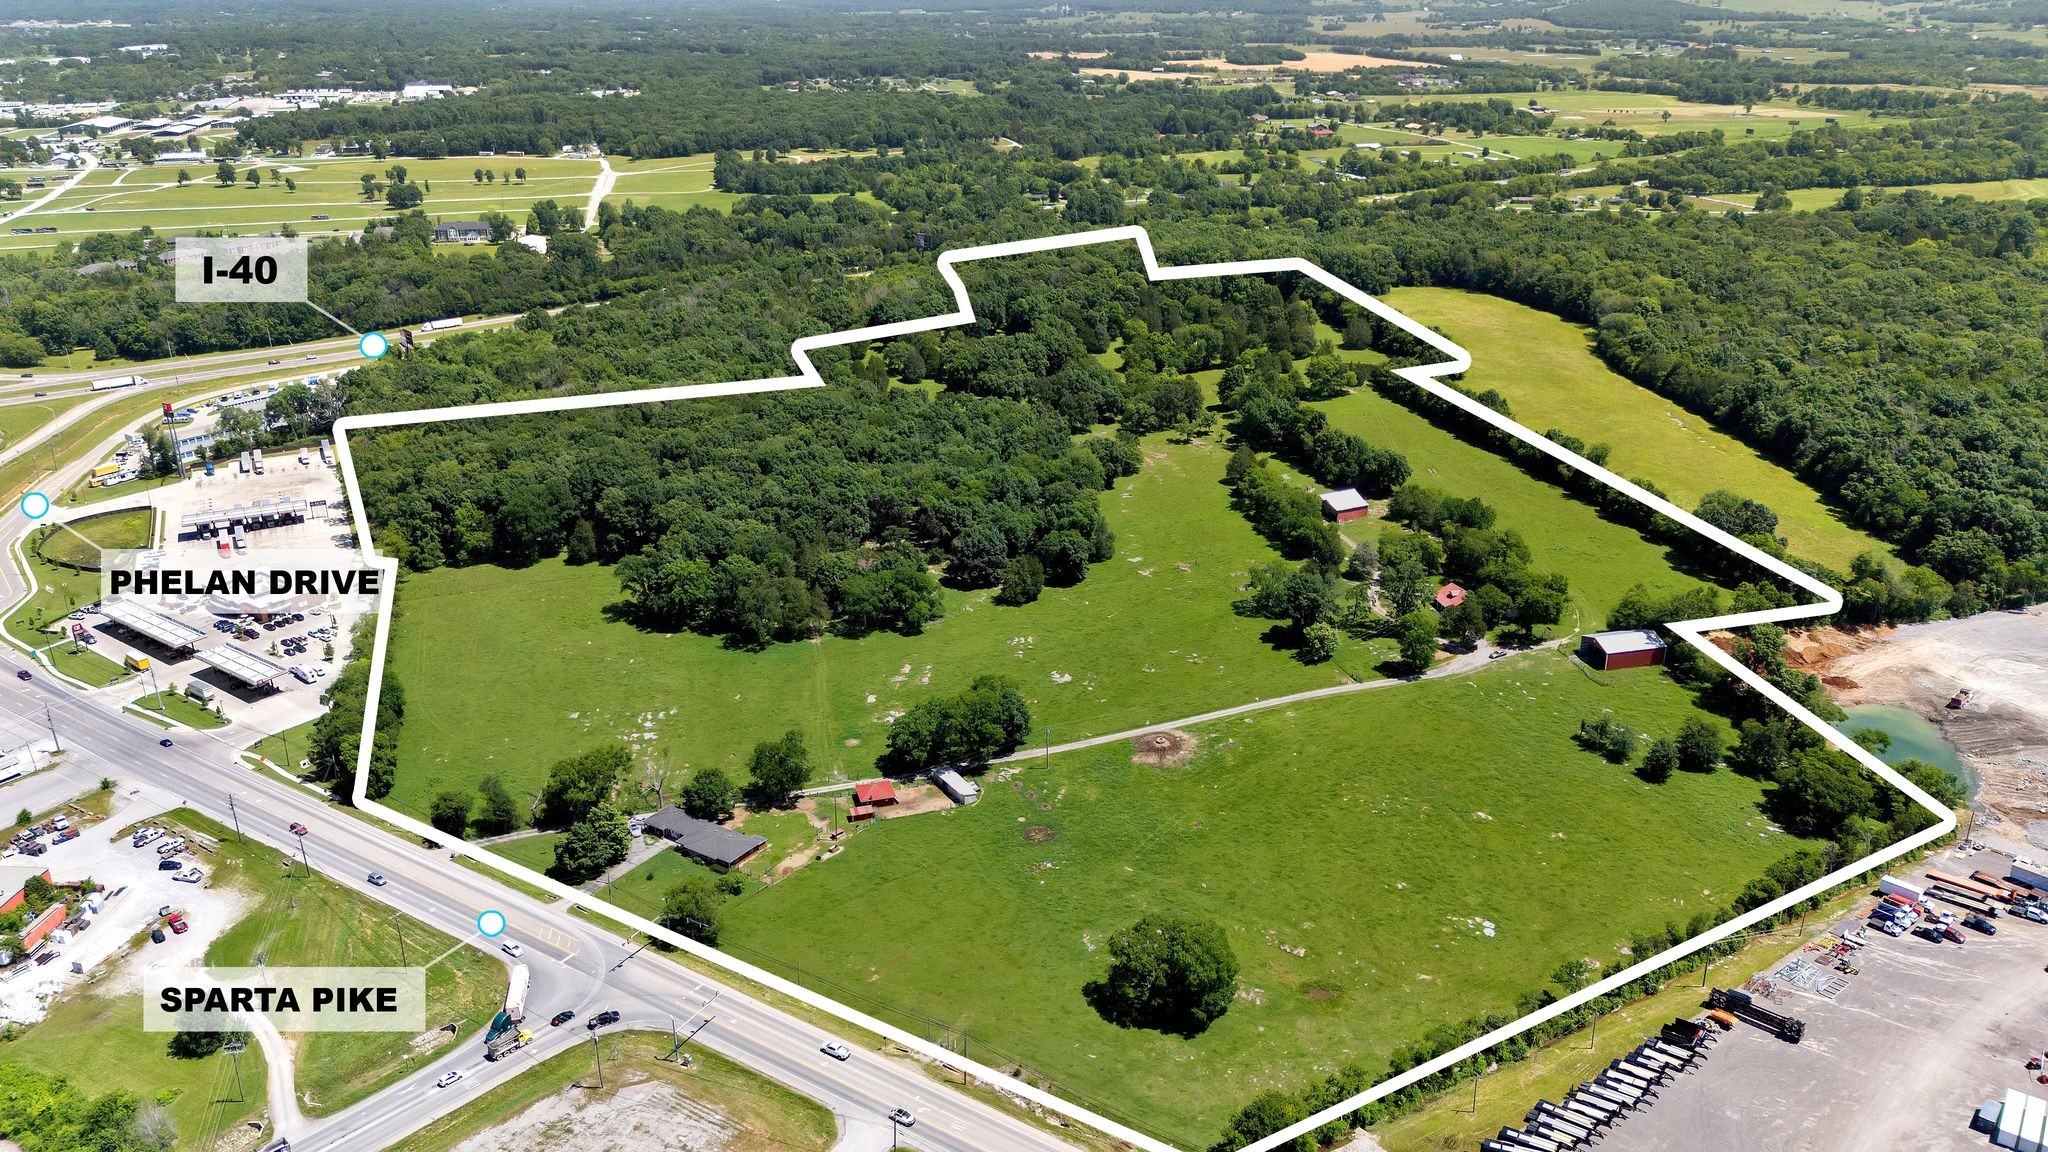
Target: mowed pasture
[[150, 196], [1147, 637], [1355, 850], [1546, 368]]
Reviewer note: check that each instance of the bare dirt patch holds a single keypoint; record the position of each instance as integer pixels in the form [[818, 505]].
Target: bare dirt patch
[[2001, 657], [1163, 748], [1039, 834], [650, 1114]]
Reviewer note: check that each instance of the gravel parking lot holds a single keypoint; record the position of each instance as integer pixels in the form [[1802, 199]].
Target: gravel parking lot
[[1900, 1060]]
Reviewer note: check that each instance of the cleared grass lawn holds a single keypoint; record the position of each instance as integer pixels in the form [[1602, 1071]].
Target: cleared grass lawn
[[1148, 637], [1350, 847], [180, 707], [285, 749], [18, 420], [764, 1116], [292, 919], [80, 542], [1545, 367], [62, 588], [535, 852]]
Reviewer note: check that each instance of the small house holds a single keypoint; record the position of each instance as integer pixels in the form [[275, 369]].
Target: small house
[[874, 793], [1449, 596], [1629, 648], [1344, 504], [462, 232]]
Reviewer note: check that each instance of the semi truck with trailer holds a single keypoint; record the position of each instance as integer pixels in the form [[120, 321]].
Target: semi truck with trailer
[[1893, 886], [113, 382], [505, 1034]]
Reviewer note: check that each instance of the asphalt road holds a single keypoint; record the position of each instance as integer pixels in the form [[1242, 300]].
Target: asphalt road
[[573, 964]]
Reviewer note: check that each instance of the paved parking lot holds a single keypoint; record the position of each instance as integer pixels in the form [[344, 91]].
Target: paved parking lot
[[1900, 1060]]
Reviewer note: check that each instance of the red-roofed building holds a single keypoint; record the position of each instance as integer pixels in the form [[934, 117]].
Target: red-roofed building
[[874, 793], [1450, 596]]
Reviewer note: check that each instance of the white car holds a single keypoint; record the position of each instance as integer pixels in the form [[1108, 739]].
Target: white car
[[837, 1051], [190, 876], [513, 948], [448, 1077]]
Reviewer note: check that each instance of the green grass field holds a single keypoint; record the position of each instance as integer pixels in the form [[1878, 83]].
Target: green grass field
[[80, 542], [292, 919], [128, 200], [180, 707], [1546, 369], [764, 1116], [285, 749], [1351, 848], [1149, 636]]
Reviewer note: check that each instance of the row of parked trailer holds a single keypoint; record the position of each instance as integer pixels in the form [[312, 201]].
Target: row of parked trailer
[[1624, 1086]]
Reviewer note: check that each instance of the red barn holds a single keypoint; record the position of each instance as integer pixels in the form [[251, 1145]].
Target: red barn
[[1631, 648], [1344, 504], [874, 793], [14, 879]]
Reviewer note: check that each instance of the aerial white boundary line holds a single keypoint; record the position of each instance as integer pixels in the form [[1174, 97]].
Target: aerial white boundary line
[[1428, 377]]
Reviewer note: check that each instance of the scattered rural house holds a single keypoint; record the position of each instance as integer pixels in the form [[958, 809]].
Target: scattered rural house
[[1321, 130], [1450, 596], [423, 91], [1631, 648], [957, 788], [1344, 504], [462, 232], [1260, 118], [703, 840]]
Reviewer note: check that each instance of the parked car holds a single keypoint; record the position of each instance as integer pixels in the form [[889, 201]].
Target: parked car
[[561, 1018], [171, 864], [192, 875], [837, 1051], [156, 935], [1951, 932], [1980, 924], [448, 1077], [178, 925]]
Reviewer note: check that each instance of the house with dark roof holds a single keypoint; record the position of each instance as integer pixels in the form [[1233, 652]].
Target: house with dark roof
[[703, 840], [462, 232]]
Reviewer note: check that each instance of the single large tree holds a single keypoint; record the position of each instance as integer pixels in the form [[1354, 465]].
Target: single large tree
[[450, 813], [592, 844], [779, 769], [710, 794], [691, 908], [1168, 973]]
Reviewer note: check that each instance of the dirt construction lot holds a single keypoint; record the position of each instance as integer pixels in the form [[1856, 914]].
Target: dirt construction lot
[[1899, 1061]]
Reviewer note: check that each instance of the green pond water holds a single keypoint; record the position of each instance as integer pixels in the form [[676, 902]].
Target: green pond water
[[1913, 738]]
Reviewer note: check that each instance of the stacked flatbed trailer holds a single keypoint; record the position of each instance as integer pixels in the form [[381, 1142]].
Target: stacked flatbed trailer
[[1788, 1028]]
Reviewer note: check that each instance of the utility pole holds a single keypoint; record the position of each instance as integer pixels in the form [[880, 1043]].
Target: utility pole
[[234, 1049], [404, 958], [236, 817], [159, 692], [51, 719], [599, 1050], [302, 854]]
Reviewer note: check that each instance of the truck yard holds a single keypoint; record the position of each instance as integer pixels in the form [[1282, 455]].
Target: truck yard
[[1904, 1036]]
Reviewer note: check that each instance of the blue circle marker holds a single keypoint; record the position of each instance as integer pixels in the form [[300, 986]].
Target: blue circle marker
[[35, 505], [491, 922], [373, 345]]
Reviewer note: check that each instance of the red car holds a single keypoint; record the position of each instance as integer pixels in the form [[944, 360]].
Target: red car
[[298, 830], [177, 923]]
